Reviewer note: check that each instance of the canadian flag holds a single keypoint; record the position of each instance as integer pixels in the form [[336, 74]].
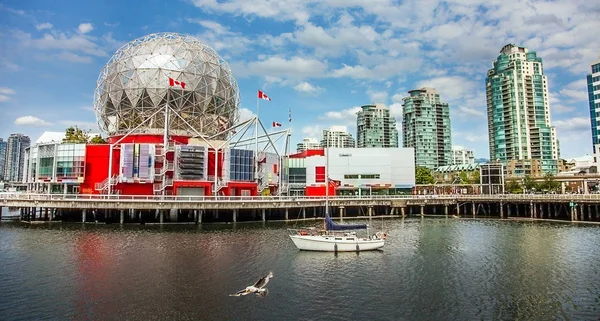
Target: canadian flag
[[262, 95], [276, 124], [173, 82]]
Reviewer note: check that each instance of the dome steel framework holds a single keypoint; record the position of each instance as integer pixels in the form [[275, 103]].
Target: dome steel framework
[[133, 88]]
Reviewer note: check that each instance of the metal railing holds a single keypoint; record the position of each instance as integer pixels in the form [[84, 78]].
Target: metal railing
[[4, 196]]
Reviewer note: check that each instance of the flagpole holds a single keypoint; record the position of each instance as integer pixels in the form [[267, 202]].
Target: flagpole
[[166, 134], [256, 139]]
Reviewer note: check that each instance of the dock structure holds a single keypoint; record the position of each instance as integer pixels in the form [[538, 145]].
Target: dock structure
[[199, 209]]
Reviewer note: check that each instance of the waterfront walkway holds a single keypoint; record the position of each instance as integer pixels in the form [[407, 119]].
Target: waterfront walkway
[[572, 206]]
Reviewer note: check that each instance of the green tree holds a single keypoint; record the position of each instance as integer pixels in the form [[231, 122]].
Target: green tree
[[512, 186], [75, 134], [475, 178], [550, 184], [529, 184], [423, 175], [97, 140], [463, 177]]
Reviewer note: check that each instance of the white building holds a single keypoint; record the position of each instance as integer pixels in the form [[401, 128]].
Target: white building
[[462, 155], [363, 169], [338, 137], [307, 143], [54, 167]]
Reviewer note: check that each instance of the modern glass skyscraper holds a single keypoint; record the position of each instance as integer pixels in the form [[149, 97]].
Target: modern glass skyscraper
[[2, 158], [375, 127], [15, 157], [519, 125], [426, 128], [593, 82]]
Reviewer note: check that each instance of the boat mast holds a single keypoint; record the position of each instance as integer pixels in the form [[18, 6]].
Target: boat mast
[[326, 181]]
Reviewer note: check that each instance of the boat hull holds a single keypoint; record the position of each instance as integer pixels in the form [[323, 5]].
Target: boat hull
[[335, 244]]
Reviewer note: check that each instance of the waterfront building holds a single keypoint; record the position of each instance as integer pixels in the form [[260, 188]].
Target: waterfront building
[[518, 110], [54, 168], [593, 82], [3, 145], [354, 171], [375, 127], [462, 155], [337, 136], [426, 128], [15, 157], [170, 77], [307, 143]]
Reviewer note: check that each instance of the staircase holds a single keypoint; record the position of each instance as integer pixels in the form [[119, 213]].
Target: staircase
[[160, 173], [102, 187]]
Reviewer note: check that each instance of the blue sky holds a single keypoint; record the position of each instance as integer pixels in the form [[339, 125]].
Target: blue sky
[[322, 59]]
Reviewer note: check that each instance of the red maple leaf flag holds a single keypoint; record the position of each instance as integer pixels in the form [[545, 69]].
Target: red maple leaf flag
[[264, 96], [173, 82], [276, 124]]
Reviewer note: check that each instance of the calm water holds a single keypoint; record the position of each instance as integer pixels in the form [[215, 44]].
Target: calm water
[[431, 269]]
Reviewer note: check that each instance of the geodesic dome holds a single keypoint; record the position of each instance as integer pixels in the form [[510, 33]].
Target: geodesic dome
[[133, 87]]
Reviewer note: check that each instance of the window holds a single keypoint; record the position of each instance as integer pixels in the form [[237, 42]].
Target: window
[[320, 174]]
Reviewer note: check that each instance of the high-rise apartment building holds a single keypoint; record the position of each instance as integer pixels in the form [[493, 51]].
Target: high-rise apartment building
[[593, 82], [307, 143], [518, 110], [462, 155], [2, 158], [375, 127], [15, 157], [426, 128], [337, 137]]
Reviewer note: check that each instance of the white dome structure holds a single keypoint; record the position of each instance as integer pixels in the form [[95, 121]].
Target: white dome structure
[[133, 87]]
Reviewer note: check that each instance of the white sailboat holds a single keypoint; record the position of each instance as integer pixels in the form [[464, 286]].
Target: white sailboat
[[335, 237]]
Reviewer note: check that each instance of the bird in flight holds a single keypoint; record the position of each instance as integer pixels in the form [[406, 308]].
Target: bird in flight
[[258, 287]]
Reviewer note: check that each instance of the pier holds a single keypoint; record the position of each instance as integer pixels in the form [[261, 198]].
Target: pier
[[190, 209]]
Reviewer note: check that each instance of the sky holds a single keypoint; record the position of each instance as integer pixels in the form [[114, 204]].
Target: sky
[[320, 59]]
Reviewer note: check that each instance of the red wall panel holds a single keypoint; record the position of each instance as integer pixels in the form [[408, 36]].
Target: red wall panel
[[238, 187], [308, 153], [320, 174], [135, 189], [319, 190], [211, 163], [96, 167]]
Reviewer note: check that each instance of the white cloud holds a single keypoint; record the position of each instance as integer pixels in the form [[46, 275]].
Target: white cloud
[[30, 121], [576, 90], [463, 95], [313, 131], [377, 96], [245, 114], [85, 28], [63, 42], [5, 94], [346, 115], [305, 87], [211, 25], [42, 26], [7, 91], [296, 67], [575, 124]]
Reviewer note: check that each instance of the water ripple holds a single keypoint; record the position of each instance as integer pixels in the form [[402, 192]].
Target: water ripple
[[433, 269]]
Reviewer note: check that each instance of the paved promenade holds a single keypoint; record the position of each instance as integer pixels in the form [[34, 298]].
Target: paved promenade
[[76, 201]]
